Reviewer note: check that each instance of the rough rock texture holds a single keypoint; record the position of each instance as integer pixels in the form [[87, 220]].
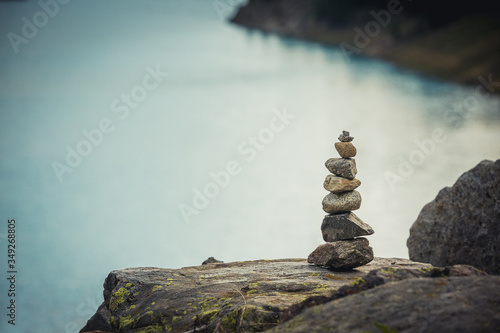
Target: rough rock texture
[[462, 225], [343, 167], [344, 254], [345, 149], [99, 322], [442, 304], [248, 296], [337, 184], [211, 260], [345, 137], [379, 277], [343, 202], [343, 226]]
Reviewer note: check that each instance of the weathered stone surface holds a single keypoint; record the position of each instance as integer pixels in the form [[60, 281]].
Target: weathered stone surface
[[378, 277], [345, 137], [345, 149], [248, 296], [462, 225], [343, 167], [344, 226], [342, 202], [440, 304], [344, 254], [211, 260], [99, 322], [337, 184]]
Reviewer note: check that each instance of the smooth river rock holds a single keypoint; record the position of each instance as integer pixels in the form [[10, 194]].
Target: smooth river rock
[[343, 167], [343, 254], [345, 149], [344, 226], [337, 184], [342, 202], [462, 225]]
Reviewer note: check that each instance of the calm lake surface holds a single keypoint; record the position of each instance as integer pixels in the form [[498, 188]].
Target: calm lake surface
[[109, 162]]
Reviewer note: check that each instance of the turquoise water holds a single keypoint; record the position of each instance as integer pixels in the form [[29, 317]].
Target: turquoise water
[[104, 154]]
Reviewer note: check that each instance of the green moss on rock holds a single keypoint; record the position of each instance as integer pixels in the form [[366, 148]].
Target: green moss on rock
[[118, 298]]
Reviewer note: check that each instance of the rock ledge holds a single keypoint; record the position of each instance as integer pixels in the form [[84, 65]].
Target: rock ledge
[[248, 296]]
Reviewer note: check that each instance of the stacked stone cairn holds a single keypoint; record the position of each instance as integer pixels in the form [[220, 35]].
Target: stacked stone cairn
[[342, 230]]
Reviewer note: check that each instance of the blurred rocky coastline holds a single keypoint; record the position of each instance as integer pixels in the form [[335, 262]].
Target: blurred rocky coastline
[[453, 41]]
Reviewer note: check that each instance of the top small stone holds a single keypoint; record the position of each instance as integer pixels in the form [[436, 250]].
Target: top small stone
[[344, 137]]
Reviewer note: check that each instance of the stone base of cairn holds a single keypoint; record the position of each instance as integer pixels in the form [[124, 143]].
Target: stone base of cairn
[[341, 229]]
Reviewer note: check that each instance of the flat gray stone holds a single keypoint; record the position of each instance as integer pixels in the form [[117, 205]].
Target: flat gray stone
[[337, 184], [342, 202], [344, 226], [343, 167], [344, 254]]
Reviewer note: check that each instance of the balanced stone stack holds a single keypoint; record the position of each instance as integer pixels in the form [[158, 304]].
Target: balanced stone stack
[[341, 229]]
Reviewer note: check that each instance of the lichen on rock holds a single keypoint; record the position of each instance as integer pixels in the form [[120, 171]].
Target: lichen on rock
[[249, 296]]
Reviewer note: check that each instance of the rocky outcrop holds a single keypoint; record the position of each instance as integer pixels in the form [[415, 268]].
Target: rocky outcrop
[[462, 225], [444, 304], [379, 277], [250, 296], [386, 295]]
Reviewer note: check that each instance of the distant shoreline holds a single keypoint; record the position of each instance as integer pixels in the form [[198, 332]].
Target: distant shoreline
[[465, 51]]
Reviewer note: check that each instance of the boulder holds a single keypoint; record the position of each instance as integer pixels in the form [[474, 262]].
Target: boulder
[[343, 254], [240, 296], [344, 226], [462, 225]]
